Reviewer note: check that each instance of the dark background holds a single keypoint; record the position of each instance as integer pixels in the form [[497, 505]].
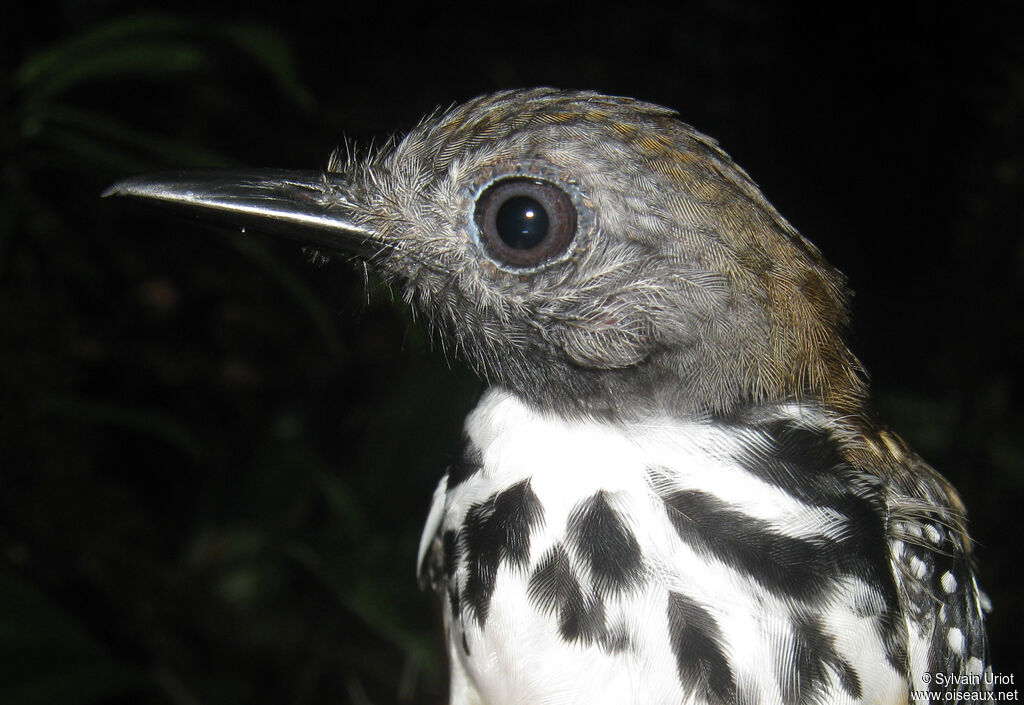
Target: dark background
[[215, 456]]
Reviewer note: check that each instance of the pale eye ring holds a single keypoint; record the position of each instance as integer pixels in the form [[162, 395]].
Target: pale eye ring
[[525, 222]]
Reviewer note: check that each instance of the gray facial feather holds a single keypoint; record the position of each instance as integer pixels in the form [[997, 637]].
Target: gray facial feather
[[684, 289]]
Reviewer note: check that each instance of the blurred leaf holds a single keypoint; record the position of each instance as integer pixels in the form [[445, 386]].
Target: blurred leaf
[[299, 289], [127, 47], [75, 147], [149, 47], [925, 422], [8, 220], [71, 684], [269, 49], [1007, 453], [30, 621], [344, 506], [121, 136], [154, 46], [236, 554], [45, 657], [153, 422], [372, 605]]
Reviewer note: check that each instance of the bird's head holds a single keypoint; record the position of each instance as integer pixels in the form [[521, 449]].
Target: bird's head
[[592, 254]]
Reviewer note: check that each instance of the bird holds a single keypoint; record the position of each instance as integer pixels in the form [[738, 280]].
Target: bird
[[673, 489]]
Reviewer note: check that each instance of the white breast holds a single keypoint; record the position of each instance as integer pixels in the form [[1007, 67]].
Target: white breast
[[682, 620]]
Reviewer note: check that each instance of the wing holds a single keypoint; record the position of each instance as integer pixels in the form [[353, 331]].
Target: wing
[[933, 564]]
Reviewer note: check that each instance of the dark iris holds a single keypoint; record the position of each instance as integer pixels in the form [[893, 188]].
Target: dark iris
[[521, 222], [525, 222]]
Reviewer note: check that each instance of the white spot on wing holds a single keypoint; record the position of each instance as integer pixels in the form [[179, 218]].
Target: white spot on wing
[[918, 568], [948, 582], [911, 529], [955, 639], [933, 534]]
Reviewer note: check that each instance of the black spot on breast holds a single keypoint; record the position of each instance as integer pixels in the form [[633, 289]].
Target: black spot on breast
[[452, 552], [697, 645], [470, 461], [606, 545], [848, 679], [554, 582], [804, 673], [454, 602], [582, 621], [493, 531], [805, 462], [808, 464], [812, 450], [555, 588], [439, 567], [800, 568]]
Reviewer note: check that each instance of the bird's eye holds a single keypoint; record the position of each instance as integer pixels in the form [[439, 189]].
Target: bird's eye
[[525, 222]]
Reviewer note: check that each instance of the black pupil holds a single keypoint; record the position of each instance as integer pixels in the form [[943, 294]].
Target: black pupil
[[521, 222]]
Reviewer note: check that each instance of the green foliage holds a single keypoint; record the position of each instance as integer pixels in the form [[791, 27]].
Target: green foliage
[[171, 527], [45, 657], [146, 48]]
